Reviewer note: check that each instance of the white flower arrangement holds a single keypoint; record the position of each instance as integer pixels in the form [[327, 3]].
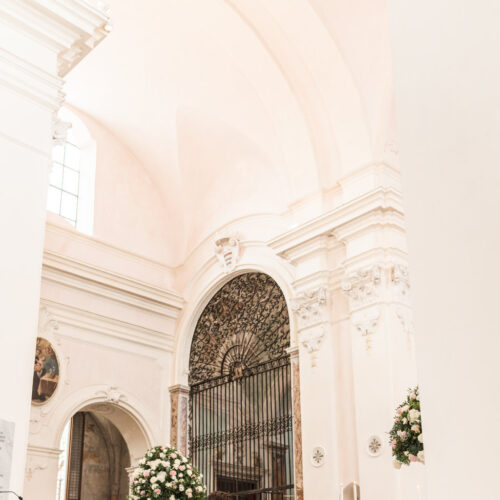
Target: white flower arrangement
[[406, 438], [164, 474]]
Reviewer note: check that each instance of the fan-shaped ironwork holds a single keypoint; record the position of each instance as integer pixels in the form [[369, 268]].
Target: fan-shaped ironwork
[[244, 324]]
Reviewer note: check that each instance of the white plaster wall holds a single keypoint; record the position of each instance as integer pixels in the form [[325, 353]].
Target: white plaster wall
[[448, 93]]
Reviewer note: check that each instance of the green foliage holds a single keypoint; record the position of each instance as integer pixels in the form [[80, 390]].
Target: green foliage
[[406, 436], [164, 474]]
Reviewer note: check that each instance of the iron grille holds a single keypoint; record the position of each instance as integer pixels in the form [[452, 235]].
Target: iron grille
[[241, 424]]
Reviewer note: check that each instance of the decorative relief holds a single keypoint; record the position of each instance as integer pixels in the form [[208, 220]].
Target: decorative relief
[[48, 326], [318, 456], [227, 251], [60, 132], [363, 286], [33, 465], [309, 306], [401, 282], [244, 324], [366, 322], [374, 446], [405, 317], [38, 419], [311, 339], [112, 394]]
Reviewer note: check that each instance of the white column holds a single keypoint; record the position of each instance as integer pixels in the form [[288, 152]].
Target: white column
[[33, 57], [447, 81]]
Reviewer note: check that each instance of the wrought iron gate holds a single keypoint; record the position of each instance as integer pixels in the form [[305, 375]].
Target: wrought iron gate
[[241, 432]]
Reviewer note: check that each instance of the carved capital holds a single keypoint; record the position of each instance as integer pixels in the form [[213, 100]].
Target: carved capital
[[311, 339], [366, 322], [309, 306], [363, 285]]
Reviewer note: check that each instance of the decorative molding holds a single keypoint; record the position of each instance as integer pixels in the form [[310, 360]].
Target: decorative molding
[[87, 277], [318, 456], [227, 251], [363, 285], [400, 280], [38, 419], [48, 326], [366, 322], [102, 325], [374, 446], [309, 306], [404, 315], [60, 132], [311, 339], [112, 394]]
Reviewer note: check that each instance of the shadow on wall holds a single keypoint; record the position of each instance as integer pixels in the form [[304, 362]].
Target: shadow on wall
[[94, 461]]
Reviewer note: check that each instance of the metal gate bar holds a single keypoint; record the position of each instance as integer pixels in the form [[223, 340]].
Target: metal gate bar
[[241, 435]]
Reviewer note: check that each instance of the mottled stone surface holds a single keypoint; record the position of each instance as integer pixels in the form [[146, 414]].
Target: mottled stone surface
[[179, 403], [297, 428]]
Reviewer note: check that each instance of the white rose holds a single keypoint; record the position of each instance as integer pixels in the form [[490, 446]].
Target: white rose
[[421, 438], [413, 415], [181, 487], [405, 408], [189, 472], [405, 421], [421, 456]]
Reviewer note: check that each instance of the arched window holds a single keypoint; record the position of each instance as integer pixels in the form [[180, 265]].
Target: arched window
[[72, 176], [241, 435]]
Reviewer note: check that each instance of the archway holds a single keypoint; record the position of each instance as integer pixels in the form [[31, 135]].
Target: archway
[[97, 451], [241, 434]]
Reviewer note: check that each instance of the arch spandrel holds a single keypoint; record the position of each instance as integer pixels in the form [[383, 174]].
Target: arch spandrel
[[246, 323]]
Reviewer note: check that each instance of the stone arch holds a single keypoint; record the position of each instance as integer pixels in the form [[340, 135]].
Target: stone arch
[[119, 408], [206, 285]]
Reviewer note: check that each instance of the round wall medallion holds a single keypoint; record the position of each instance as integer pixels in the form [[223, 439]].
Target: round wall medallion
[[318, 456], [374, 447]]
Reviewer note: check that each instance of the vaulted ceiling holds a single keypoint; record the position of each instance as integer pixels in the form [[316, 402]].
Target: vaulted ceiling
[[258, 103]]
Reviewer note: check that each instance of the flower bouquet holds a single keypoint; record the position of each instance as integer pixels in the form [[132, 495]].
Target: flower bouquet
[[165, 474], [406, 436]]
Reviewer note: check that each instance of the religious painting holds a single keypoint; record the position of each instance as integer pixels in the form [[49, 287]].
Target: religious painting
[[45, 372]]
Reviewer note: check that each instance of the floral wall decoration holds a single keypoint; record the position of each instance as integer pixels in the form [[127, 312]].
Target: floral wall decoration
[[165, 474], [406, 438]]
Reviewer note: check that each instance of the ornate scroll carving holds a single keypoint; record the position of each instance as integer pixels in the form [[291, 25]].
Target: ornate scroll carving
[[112, 394], [227, 251], [400, 280], [366, 323], [311, 339], [308, 306], [245, 324], [363, 285]]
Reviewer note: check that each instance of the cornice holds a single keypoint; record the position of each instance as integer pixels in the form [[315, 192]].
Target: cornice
[[31, 81], [71, 235], [382, 200], [110, 327], [71, 28], [87, 277]]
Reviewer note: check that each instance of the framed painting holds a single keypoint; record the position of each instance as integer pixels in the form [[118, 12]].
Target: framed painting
[[45, 372]]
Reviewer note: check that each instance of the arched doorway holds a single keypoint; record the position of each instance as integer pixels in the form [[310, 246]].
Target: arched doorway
[[241, 429], [94, 459]]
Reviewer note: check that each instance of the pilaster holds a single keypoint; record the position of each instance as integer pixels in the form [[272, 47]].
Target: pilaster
[[179, 405]]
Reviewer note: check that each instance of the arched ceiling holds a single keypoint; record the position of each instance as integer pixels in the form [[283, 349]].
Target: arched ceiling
[[208, 91]]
